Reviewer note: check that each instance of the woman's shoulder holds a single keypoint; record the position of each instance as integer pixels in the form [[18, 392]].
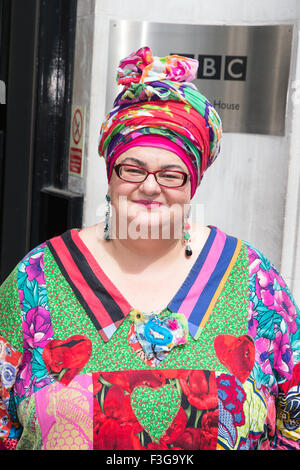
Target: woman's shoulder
[[272, 305], [262, 266], [31, 265], [258, 259], [255, 254], [25, 265], [254, 251], [263, 274]]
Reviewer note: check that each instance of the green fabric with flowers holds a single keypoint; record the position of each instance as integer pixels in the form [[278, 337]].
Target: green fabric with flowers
[[229, 316]]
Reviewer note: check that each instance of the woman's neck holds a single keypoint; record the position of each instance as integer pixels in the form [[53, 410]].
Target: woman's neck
[[137, 255], [143, 252]]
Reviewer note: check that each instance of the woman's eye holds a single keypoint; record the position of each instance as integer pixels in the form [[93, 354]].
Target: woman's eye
[[134, 171], [169, 176], [139, 172]]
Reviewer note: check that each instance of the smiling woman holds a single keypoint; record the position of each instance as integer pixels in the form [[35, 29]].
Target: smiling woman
[[152, 201], [147, 332]]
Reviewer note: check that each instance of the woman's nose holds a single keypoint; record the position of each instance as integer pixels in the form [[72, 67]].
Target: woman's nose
[[150, 185]]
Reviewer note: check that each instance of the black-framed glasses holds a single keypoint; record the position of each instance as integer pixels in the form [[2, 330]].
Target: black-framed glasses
[[136, 174]]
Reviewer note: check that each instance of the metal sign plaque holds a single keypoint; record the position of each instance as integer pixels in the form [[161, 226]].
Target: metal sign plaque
[[243, 70]]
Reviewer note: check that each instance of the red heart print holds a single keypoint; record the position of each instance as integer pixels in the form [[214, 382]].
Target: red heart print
[[236, 353], [64, 359]]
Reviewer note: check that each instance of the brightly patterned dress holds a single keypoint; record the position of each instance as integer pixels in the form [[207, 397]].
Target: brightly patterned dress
[[81, 368]]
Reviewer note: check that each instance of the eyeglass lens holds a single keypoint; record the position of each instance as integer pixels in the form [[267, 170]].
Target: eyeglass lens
[[165, 177]]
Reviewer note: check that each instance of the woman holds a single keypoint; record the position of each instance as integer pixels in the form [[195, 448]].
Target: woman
[[145, 332]]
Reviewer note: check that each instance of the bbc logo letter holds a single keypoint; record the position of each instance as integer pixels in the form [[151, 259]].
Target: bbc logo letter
[[210, 67]]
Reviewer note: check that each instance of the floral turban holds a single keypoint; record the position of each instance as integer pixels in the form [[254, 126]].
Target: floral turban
[[159, 106]]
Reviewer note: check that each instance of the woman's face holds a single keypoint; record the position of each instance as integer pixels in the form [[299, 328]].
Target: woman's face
[[146, 209]]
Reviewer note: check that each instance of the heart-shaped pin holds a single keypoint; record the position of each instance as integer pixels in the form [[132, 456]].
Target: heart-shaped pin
[[155, 408], [237, 354], [64, 359]]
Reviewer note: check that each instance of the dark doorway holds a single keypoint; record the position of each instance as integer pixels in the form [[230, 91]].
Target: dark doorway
[[37, 59]]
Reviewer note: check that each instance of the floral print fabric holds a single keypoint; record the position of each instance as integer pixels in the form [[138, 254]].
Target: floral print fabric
[[141, 66], [164, 414], [274, 324], [253, 403], [9, 364], [36, 321]]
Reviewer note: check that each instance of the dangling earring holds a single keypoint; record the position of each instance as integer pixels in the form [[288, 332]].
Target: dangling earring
[[107, 218], [186, 235]]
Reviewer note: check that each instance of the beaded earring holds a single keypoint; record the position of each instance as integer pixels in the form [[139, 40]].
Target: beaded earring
[[186, 235], [107, 218]]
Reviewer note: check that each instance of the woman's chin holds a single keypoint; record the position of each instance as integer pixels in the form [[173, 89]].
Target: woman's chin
[[155, 223], [153, 226]]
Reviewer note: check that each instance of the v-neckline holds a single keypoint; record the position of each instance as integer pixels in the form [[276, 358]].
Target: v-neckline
[[97, 268], [107, 307]]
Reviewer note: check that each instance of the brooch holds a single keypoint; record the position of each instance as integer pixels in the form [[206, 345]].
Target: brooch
[[156, 336]]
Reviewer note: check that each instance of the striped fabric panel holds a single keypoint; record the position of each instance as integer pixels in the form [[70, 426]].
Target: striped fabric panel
[[203, 286], [104, 304], [181, 295]]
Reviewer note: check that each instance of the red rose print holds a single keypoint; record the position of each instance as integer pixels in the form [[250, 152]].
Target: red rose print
[[116, 427], [190, 439], [209, 430], [153, 446], [175, 373], [177, 428], [118, 424], [64, 359], [237, 354], [204, 438], [135, 378], [113, 436], [200, 391]]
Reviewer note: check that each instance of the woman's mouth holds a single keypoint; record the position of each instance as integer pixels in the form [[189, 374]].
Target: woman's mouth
[[148, 204]]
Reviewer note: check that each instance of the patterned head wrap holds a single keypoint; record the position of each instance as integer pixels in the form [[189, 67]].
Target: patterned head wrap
[[159, 106]]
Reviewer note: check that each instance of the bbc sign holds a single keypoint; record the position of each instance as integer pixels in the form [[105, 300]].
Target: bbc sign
[[210, 67], [217, 67], [243, 70]]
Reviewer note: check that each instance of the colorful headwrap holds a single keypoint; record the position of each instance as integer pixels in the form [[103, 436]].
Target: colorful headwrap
[[160, 107]]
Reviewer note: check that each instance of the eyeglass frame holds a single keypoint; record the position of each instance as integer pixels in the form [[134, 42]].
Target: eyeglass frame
[[117, 168]]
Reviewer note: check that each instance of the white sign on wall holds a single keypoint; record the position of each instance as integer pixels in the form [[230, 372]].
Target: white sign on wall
[[243, 70], [77, 135]]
